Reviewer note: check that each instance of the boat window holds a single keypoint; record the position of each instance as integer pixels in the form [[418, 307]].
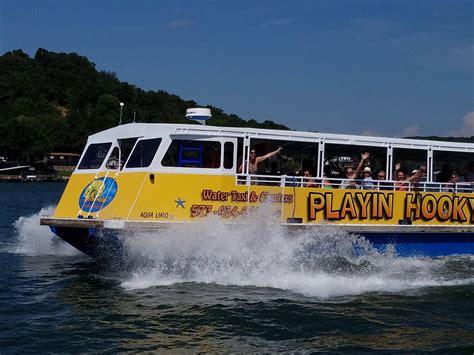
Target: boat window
[[338, 157], [445, 164], [292, 160], [126, 146], [94, 156], [143, 153], [193, 154], [409, 160], [228, 155], [114, 159]]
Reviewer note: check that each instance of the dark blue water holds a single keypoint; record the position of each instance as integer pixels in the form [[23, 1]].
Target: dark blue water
[[214, 289]]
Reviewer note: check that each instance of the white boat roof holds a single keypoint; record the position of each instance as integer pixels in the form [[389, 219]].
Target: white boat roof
[[151, 130]]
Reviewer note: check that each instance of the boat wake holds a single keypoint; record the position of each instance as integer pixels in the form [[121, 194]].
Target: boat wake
[[323, 264], [33, 240]]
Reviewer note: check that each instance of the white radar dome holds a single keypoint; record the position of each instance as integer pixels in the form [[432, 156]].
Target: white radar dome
[[200, 115]]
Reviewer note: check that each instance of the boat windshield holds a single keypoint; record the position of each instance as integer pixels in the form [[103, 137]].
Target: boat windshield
[[143, 153], [94, 156]]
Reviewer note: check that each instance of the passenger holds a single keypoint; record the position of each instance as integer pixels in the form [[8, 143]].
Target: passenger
[[352, 175], [308, 182], [352, 185], [382, 184], [348, 172], [415, 186], [326, 184], [402, 183], [367, 181], [254, 160], [450, 185]]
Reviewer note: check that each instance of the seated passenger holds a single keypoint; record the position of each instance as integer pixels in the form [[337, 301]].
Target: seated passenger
[[381, 183], [450, 185], [416, 182], [307, 182], [352, 174], [326, 184], [352, 185], [402, 183], [367, 181]]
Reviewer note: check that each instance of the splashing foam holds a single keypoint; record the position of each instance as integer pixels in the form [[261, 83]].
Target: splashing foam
[[33, 239], [262, 253]]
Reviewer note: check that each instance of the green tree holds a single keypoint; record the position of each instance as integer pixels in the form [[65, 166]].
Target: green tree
[[26, 139], [54, 101]]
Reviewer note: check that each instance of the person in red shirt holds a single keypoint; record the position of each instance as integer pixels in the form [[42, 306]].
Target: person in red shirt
[[402, 183]]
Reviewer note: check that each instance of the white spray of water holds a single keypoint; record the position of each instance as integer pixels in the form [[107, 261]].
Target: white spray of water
[[33, 239], [260, 253], [313, 263]]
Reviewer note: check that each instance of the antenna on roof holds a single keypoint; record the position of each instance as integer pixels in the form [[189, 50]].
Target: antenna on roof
[[121, 108], [134, 116], [200, 115]]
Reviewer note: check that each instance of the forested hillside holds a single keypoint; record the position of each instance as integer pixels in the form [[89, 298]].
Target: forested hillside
[[53, 101]]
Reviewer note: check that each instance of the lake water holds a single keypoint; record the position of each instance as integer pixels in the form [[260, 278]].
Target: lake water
[[212, 288]]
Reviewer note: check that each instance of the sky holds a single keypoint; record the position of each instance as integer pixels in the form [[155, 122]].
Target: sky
[[374, 67]]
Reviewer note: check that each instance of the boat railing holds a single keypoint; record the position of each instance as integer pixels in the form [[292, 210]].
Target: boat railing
[[353, 184]]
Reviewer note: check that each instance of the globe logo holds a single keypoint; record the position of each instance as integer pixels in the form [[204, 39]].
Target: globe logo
[[98, 194]]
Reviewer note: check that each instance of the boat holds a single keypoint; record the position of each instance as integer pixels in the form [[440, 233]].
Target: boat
[[149, 176]]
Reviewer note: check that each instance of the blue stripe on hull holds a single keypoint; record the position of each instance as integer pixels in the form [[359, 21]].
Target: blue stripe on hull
[[424, 244]]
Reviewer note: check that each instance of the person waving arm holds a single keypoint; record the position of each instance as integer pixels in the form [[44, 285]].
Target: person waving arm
[[254, 160], [268, 155], [417, 176], [363, 158]]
